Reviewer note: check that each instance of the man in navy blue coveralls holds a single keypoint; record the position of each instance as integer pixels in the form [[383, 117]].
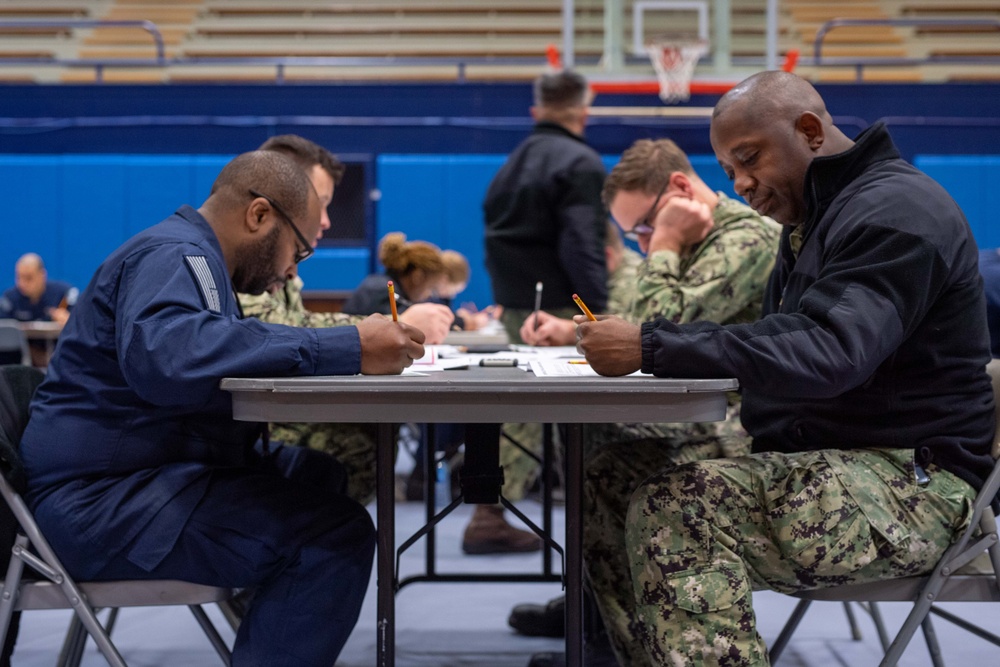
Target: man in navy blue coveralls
[[136, 468]]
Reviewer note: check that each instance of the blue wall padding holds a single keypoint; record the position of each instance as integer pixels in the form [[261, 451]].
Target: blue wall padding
[[438, 198], [74, 209], [973, 180]]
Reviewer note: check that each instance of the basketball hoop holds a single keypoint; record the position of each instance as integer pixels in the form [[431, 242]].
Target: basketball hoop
[[674, 62]]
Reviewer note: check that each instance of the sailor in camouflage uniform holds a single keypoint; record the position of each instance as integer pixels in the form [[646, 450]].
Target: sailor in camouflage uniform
[[353, 445], [708, 258], [717, 272], [865, 390]]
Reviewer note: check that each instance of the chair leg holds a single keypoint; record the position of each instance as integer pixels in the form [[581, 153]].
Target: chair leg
[[213, 635], [852, 621], [930, 636], [232, 616], [913, 621], [71, 654], [112, 617], [965, 625], [876, 615], [786, 632]]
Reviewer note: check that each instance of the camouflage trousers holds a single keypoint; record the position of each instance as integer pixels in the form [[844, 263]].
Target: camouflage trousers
[[701, 536], [520, 469], [612, 472], [353, 445]]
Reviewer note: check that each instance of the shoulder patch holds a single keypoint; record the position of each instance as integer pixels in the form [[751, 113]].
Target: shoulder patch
[[206, 283]]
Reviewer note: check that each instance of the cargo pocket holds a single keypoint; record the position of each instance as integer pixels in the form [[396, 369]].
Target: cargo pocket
[[879, 498], [699, 590], [819, 526]]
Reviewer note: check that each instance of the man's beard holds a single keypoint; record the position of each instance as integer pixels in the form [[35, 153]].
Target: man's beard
[[255, 264]]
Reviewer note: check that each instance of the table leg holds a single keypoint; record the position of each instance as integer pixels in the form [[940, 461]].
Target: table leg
[[385, 492], [574, 545]]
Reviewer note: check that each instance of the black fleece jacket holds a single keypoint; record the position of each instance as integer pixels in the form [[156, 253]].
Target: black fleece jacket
[[874, 335], [545, 222]]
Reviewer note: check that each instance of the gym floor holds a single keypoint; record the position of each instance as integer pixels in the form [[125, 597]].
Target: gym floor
[[445, 625]]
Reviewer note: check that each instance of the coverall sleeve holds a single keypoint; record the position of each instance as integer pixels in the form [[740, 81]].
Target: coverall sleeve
[[174, 348]]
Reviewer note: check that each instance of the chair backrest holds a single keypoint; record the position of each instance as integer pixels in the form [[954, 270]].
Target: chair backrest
[[17, 386], [13, 344]]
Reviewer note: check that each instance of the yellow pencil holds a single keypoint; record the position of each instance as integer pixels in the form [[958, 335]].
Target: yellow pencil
[[583, 307], [392, 302]]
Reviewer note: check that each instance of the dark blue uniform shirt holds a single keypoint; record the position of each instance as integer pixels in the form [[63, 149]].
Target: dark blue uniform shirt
[[130, 420], [14, 305]]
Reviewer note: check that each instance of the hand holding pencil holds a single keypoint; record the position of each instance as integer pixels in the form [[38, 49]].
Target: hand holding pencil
[[612, 345]]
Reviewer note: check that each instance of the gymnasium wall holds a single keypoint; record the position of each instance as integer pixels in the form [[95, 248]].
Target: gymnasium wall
[[84, 167]]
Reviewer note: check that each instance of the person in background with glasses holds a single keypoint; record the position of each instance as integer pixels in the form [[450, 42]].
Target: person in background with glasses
[[708, 257], [353, 445], [135, 466]]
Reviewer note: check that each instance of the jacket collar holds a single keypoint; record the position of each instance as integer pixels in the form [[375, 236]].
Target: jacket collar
[[548, 127], [827, 176]]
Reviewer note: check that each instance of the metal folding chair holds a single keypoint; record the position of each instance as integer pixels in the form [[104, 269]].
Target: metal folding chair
[[55, 588], [967, 572]]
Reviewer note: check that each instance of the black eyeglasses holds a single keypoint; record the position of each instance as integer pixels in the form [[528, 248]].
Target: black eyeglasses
[[643, 227], [306, 251]]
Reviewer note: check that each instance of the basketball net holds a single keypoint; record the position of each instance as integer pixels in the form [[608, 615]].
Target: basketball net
[[674, 63]]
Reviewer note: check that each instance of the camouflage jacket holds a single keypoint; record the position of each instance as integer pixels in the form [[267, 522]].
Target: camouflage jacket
[[286, 307], [721, 279], [621, 283]]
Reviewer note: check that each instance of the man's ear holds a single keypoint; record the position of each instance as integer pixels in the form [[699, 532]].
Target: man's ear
[[256, 217], [811, 127], [680, 180]]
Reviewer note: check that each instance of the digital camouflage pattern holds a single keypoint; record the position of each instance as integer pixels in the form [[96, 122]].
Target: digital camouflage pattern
[[700, 537], [351, 444], [286, 307], [622, 281], [720, 280]]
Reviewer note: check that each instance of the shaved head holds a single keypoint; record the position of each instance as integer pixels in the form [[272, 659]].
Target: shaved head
[[773, 97], [30, 276], [265, 213]]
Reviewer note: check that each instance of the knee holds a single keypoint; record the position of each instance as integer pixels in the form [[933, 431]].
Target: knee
[[349, 534]]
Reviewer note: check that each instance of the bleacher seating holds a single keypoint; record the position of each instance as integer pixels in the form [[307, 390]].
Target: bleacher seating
[[489, 34]]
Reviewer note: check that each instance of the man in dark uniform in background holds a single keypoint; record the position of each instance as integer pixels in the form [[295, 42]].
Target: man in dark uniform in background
[[136, 468], [35, 298], [544, 218], [545, 224]]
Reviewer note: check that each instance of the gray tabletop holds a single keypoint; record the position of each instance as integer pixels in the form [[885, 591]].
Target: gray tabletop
[[478, 395]]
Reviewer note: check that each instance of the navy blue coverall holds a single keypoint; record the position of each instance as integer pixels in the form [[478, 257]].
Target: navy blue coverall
[[136, 468]]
